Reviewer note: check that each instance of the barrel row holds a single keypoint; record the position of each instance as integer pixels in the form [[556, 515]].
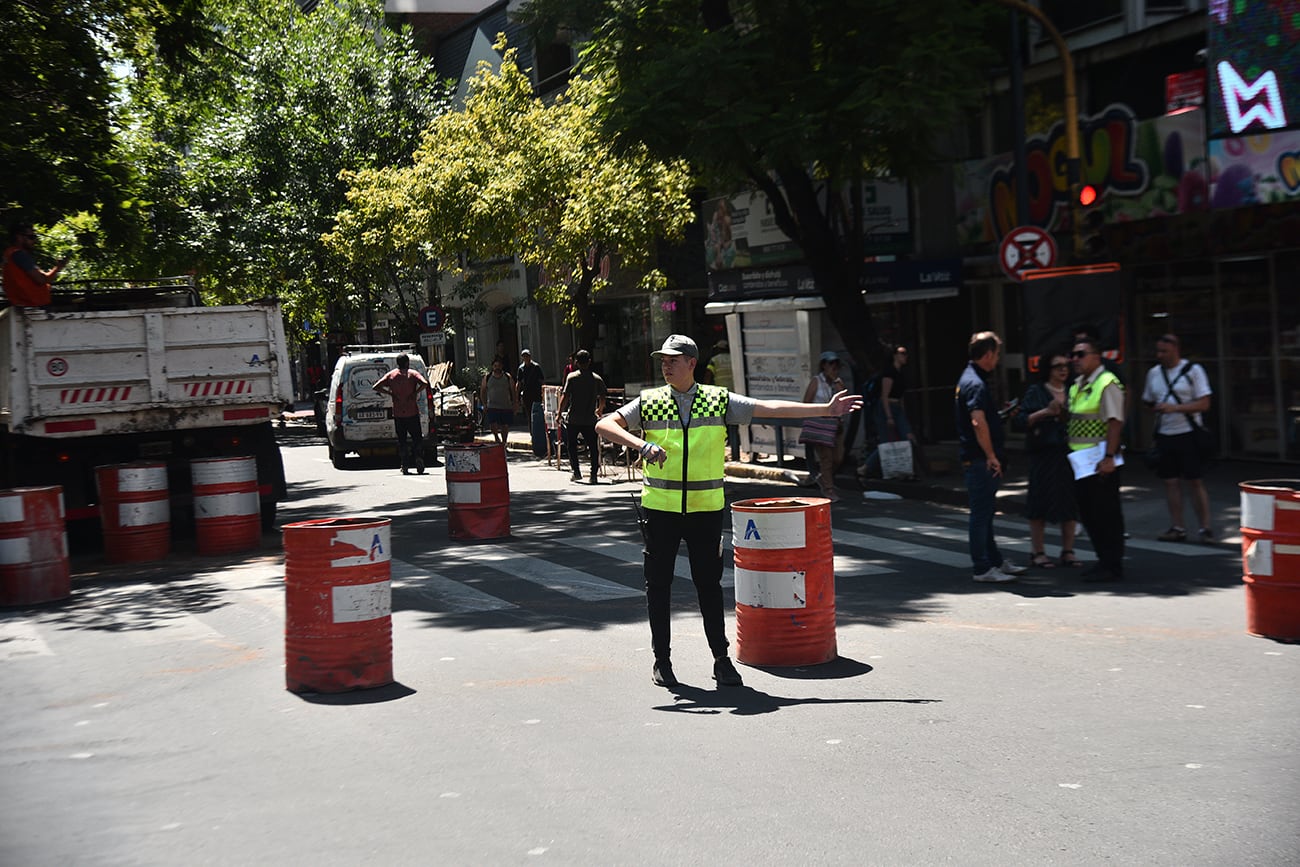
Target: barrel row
[[135, 509]]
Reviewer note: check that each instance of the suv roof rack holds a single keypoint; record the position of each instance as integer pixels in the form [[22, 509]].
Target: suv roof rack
[[379, 347]]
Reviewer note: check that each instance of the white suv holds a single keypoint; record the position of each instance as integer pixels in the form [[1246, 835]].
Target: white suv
[[358, 418]]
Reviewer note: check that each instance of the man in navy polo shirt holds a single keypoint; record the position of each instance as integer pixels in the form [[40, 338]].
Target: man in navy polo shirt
[[979, 429]]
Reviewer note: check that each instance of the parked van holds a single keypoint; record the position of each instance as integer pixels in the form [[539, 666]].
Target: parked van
[[358, 419]]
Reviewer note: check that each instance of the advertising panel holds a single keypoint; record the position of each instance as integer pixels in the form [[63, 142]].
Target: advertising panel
[[1255, 169], [1254, 63], [741, 231]]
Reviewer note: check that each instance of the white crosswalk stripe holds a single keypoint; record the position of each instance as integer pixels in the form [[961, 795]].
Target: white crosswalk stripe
[[1182, 549], [900, 548], [553, 576], [630, 552], [447, 593], [1020, 540], [948, 533]]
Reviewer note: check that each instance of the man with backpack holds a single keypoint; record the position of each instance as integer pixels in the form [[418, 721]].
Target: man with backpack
[[1178, 392]]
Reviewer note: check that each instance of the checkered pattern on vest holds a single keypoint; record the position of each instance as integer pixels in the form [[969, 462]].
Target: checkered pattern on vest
[[659, 407]]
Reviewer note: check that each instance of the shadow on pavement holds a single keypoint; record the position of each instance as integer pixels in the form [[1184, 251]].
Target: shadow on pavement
[[746, 701], [837, 669], [375, 695]]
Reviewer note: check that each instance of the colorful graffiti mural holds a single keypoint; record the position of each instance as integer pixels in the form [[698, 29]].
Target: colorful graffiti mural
[[1141, 168]]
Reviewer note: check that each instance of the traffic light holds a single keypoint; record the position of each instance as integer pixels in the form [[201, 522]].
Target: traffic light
[[1089, 243]]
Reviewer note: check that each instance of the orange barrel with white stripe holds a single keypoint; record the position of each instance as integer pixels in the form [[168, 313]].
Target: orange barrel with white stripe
[[478, 491], [1270, 557], [338, 626], [227, 508], [785, 581], [134, 511], [33, 546]]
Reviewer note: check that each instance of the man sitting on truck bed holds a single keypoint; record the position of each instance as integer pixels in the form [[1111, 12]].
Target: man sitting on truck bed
[[26, 285], [403, 385]]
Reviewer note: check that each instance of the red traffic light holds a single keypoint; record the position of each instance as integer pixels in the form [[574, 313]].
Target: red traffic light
[[1087, 195]]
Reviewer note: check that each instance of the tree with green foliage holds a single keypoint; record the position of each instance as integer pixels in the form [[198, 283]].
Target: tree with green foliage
[[244, 157], [512, 174], [791, 97], [208, 137], [58, 154]]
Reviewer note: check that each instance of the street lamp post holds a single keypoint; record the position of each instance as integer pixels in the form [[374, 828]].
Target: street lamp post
[[1072, 168]]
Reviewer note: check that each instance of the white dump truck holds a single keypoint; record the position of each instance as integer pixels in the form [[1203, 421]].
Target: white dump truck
[[108, 375]]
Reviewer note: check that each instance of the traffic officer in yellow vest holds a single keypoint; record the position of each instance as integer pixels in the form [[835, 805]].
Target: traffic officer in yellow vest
[[684, 425], [1097, 416]]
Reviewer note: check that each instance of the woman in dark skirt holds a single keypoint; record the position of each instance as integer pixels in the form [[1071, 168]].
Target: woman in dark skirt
[[1051, 482]]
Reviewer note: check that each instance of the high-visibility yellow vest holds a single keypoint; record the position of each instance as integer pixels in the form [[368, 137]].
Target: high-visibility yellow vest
[[1086, 427], [691, 479]]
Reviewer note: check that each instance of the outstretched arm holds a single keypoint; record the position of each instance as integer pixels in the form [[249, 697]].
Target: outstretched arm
[[841, 404]]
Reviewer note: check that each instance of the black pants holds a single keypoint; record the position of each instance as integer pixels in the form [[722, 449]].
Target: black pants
[[588, 433], [409, 428], [702, 532], [1102, 516]]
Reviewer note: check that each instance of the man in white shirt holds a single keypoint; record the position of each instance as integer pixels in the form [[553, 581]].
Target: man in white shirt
[[1178, 391]]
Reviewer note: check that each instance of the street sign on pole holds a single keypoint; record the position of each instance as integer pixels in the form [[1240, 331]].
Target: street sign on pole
[[1026, 248], [433, 338], [431, 318]]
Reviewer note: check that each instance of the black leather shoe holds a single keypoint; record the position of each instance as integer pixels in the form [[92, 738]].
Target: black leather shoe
[[663, 673], [725, 673], [1100, 575]]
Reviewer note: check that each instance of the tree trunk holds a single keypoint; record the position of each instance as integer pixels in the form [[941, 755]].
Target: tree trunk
[[833, 256], [583, 322]]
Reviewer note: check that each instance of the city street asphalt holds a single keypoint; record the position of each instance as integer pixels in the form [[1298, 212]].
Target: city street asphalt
[[1043, 722]]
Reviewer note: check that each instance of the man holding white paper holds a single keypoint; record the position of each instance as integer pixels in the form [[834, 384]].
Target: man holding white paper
[[1097, 422]]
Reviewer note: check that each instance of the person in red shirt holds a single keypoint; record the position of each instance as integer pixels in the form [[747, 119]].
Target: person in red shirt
[[405, 386], [25, 285]]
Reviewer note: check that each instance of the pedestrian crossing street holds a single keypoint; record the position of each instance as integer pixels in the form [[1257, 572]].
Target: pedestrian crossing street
[[550, 567]]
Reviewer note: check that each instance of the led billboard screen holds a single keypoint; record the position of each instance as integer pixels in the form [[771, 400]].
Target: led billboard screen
[[1254, 66]]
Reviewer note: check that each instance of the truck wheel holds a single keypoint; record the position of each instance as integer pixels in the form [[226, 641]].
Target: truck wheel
[[336, 458]]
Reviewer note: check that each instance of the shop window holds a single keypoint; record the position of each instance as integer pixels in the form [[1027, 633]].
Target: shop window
[[1251, 388], [1287, 273]]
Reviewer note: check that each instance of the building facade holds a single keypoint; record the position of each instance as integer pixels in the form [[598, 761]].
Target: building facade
[[1189, 123]]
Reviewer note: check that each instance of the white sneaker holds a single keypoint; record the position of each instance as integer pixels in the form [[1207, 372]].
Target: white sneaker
[[994, 576], [1009, 568]]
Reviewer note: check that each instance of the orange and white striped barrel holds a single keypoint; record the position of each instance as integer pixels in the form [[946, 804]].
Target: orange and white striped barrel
[[227, 508], [134, 511], [1270, 557], [33, 546], [785, 581], [338, 627], [478, 491]]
